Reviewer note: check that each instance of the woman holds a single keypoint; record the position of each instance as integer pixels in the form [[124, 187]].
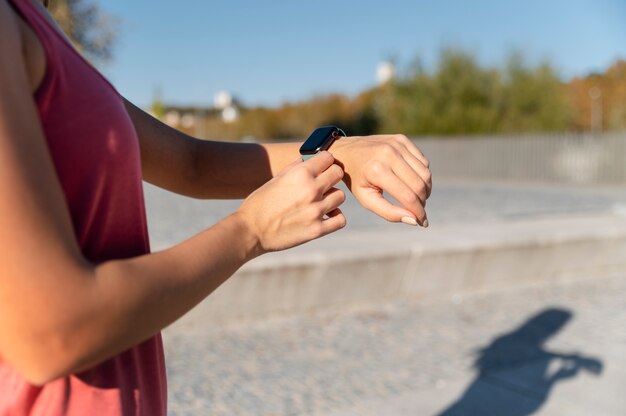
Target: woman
[[82, 299]]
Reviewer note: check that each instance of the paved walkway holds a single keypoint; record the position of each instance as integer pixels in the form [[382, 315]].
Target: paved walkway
[[557, 349], [551, 349], [173, 218]]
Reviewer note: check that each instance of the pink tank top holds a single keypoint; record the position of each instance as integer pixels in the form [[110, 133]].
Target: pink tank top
[[96, 155]]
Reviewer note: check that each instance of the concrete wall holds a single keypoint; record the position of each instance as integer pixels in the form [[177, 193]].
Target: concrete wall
[[563, 158], [365, 267]]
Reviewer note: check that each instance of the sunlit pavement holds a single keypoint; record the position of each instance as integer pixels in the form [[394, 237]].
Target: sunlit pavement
[[551, 349], [555, 348], [173, 218]]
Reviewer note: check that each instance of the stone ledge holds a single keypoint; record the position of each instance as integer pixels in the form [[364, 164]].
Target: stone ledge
[[356, 267]]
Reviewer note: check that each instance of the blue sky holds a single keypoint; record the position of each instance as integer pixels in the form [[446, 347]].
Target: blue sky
[[269, 51]]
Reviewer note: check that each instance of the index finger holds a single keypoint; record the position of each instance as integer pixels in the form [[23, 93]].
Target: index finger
[[319, 163]]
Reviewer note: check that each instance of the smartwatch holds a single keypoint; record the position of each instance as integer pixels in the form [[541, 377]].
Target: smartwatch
[[320, 139]]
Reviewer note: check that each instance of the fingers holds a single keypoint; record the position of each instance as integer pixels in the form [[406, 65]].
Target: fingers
[[422, 170], [376, 203], [411, 155], [383, 177], [414, 150], [326, 217], [319, 163], [410, 175], [325, 172], [329, 178], [402, 171], [296, 206], [332, 200], [335, 221]]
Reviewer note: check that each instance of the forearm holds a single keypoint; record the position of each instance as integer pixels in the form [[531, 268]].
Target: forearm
[[121, 303], [234, 170], [205, 169]]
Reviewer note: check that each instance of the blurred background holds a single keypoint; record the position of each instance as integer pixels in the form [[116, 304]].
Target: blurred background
[[511, 303], [276, 70]]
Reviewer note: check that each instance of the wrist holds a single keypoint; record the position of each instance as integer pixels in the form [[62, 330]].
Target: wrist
[[321, 139], [250, 244], [340, 147]]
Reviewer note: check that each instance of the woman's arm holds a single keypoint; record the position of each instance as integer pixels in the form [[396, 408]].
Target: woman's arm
[[202, 169], [60, 313], [207, 169]]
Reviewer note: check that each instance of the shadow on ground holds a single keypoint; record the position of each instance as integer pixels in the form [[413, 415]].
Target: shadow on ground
[[516, 373]]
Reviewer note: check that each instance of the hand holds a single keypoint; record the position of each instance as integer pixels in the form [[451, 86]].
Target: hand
[[386, 163], [297, 205], [592, 365]]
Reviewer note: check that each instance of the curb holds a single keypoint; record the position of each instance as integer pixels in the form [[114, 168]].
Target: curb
[[393, 263]]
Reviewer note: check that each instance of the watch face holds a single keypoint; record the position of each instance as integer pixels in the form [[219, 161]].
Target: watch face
[[319, 140]]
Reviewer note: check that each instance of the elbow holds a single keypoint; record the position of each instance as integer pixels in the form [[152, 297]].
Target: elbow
[[38, 376], [42, 361], [38, 371], [47, 335]]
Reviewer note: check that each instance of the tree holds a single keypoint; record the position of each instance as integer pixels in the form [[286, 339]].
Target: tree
[[465, 97], [462, 97], [535, 99], [92, 31], [611, 90]]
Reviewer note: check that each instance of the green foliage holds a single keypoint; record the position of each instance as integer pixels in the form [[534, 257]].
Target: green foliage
[[92, 31], [536, 99], [461, 97]]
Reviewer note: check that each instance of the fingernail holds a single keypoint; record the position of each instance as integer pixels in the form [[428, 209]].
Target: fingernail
[[408, 220], [425, 224]]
